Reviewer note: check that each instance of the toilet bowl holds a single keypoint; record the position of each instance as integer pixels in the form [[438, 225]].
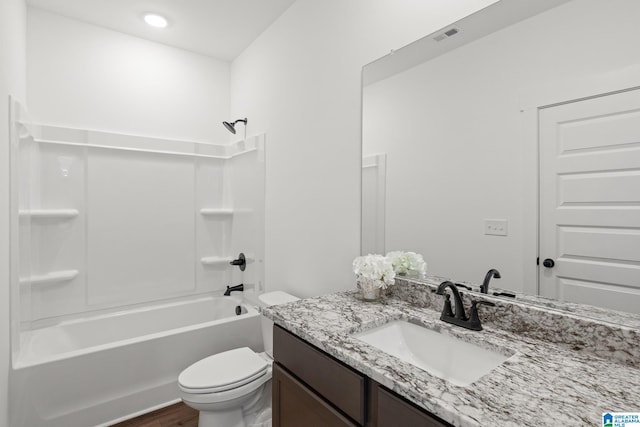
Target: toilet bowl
[[234, 387]]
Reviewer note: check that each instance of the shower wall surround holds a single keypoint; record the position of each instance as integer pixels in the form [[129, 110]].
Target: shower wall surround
[[108, 220]]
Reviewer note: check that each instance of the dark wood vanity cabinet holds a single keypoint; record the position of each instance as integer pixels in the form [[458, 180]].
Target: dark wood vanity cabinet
[[312, 389], [295, 405], [332, 382], [391, 410]]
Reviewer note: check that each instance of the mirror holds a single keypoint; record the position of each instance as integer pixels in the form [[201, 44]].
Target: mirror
[[450, 159]]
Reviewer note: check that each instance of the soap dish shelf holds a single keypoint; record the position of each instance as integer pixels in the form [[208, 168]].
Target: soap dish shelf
[[216, 212], [61, 214], [50, 278], [216, 260], [221, 260]]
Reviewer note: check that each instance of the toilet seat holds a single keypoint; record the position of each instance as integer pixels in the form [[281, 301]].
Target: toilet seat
[[228, 395], [223, 372]]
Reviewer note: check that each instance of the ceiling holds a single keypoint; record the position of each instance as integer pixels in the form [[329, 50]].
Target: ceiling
[[218, 28]]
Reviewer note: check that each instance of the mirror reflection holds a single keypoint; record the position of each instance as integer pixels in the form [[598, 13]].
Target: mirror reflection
[[503, 148]]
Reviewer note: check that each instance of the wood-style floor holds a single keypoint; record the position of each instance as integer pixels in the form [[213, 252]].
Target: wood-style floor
[[178, 415]]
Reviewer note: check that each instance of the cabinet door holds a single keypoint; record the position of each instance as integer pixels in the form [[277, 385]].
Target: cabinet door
[[294, 405], [338, 384], [394, 411]]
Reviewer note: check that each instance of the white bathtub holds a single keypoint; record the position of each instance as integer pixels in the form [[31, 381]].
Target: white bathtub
[[104, 369]]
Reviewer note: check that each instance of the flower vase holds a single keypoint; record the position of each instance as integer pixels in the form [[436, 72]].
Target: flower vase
[[369, 288]]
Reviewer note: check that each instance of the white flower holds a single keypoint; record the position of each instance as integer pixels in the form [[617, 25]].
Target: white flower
[[375, 267], [407, 262]]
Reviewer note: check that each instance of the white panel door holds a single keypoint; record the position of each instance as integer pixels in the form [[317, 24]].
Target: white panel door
[[590, 201]]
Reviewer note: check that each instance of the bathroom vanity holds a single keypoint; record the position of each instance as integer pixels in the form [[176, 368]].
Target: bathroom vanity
[[312, 388], [557, 367]]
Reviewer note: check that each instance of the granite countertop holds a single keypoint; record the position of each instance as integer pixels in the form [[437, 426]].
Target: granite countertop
[[585, 311], [544, 382]]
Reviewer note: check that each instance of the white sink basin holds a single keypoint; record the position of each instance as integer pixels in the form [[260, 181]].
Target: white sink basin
[[449, 358]]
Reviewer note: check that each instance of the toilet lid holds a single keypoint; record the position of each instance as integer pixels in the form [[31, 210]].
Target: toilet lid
[[223, 371]]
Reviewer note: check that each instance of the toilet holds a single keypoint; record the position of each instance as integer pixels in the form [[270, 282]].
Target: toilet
[[233, 388]]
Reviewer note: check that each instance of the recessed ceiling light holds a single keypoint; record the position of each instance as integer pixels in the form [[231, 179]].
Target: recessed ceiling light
[[155, 20]]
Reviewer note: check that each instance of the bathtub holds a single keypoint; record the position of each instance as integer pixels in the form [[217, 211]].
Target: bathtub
[[104, 369]]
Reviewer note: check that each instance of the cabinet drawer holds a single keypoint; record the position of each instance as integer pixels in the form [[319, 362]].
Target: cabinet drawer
[[337, 383], [394, 411], [294, 405]]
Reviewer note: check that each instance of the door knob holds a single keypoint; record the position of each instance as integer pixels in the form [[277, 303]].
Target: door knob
[[549, 263]]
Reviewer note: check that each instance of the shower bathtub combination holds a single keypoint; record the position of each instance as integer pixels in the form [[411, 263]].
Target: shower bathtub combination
[[87, 372], [120, 251]]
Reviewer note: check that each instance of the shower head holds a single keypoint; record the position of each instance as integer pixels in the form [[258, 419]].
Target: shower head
[[231, 127]]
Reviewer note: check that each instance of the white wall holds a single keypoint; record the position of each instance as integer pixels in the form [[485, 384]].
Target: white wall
[[12, 82], [84, 76], [300, 83], [452, 132]]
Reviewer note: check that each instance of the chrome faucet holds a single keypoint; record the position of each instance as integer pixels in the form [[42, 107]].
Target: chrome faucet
[[459, 318], [485, 284]]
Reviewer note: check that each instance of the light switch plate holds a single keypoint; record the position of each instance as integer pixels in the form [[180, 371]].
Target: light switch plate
[[496, 227]]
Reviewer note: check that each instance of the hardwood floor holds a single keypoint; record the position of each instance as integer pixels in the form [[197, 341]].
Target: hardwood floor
[[178, 415]]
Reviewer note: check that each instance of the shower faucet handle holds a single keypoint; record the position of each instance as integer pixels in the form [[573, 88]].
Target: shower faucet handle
[[241, 262]]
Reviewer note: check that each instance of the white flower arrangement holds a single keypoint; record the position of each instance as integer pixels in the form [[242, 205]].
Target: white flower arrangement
[[407, 262], [376, 268]]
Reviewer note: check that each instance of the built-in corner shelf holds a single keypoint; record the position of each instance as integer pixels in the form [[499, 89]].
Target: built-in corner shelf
[[216, 212], [216, 260], [50, 278], [60, 214]]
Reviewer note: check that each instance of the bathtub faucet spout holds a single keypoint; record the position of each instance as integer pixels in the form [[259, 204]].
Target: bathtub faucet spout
[[230, 289]]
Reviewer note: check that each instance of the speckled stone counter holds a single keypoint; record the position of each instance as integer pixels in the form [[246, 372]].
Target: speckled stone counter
[[566, 371], [584, 311]]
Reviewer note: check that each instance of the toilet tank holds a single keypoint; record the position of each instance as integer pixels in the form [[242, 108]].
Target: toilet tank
[[268, 299]]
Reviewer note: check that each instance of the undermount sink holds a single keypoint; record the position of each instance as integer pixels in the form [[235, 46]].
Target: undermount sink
[[443, 356]]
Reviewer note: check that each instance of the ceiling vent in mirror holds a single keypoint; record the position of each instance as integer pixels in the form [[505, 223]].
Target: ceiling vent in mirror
[[446, 34]]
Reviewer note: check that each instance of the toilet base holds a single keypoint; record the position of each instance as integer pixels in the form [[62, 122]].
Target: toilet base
[[237, 418], [252, 410], [231, 418]]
